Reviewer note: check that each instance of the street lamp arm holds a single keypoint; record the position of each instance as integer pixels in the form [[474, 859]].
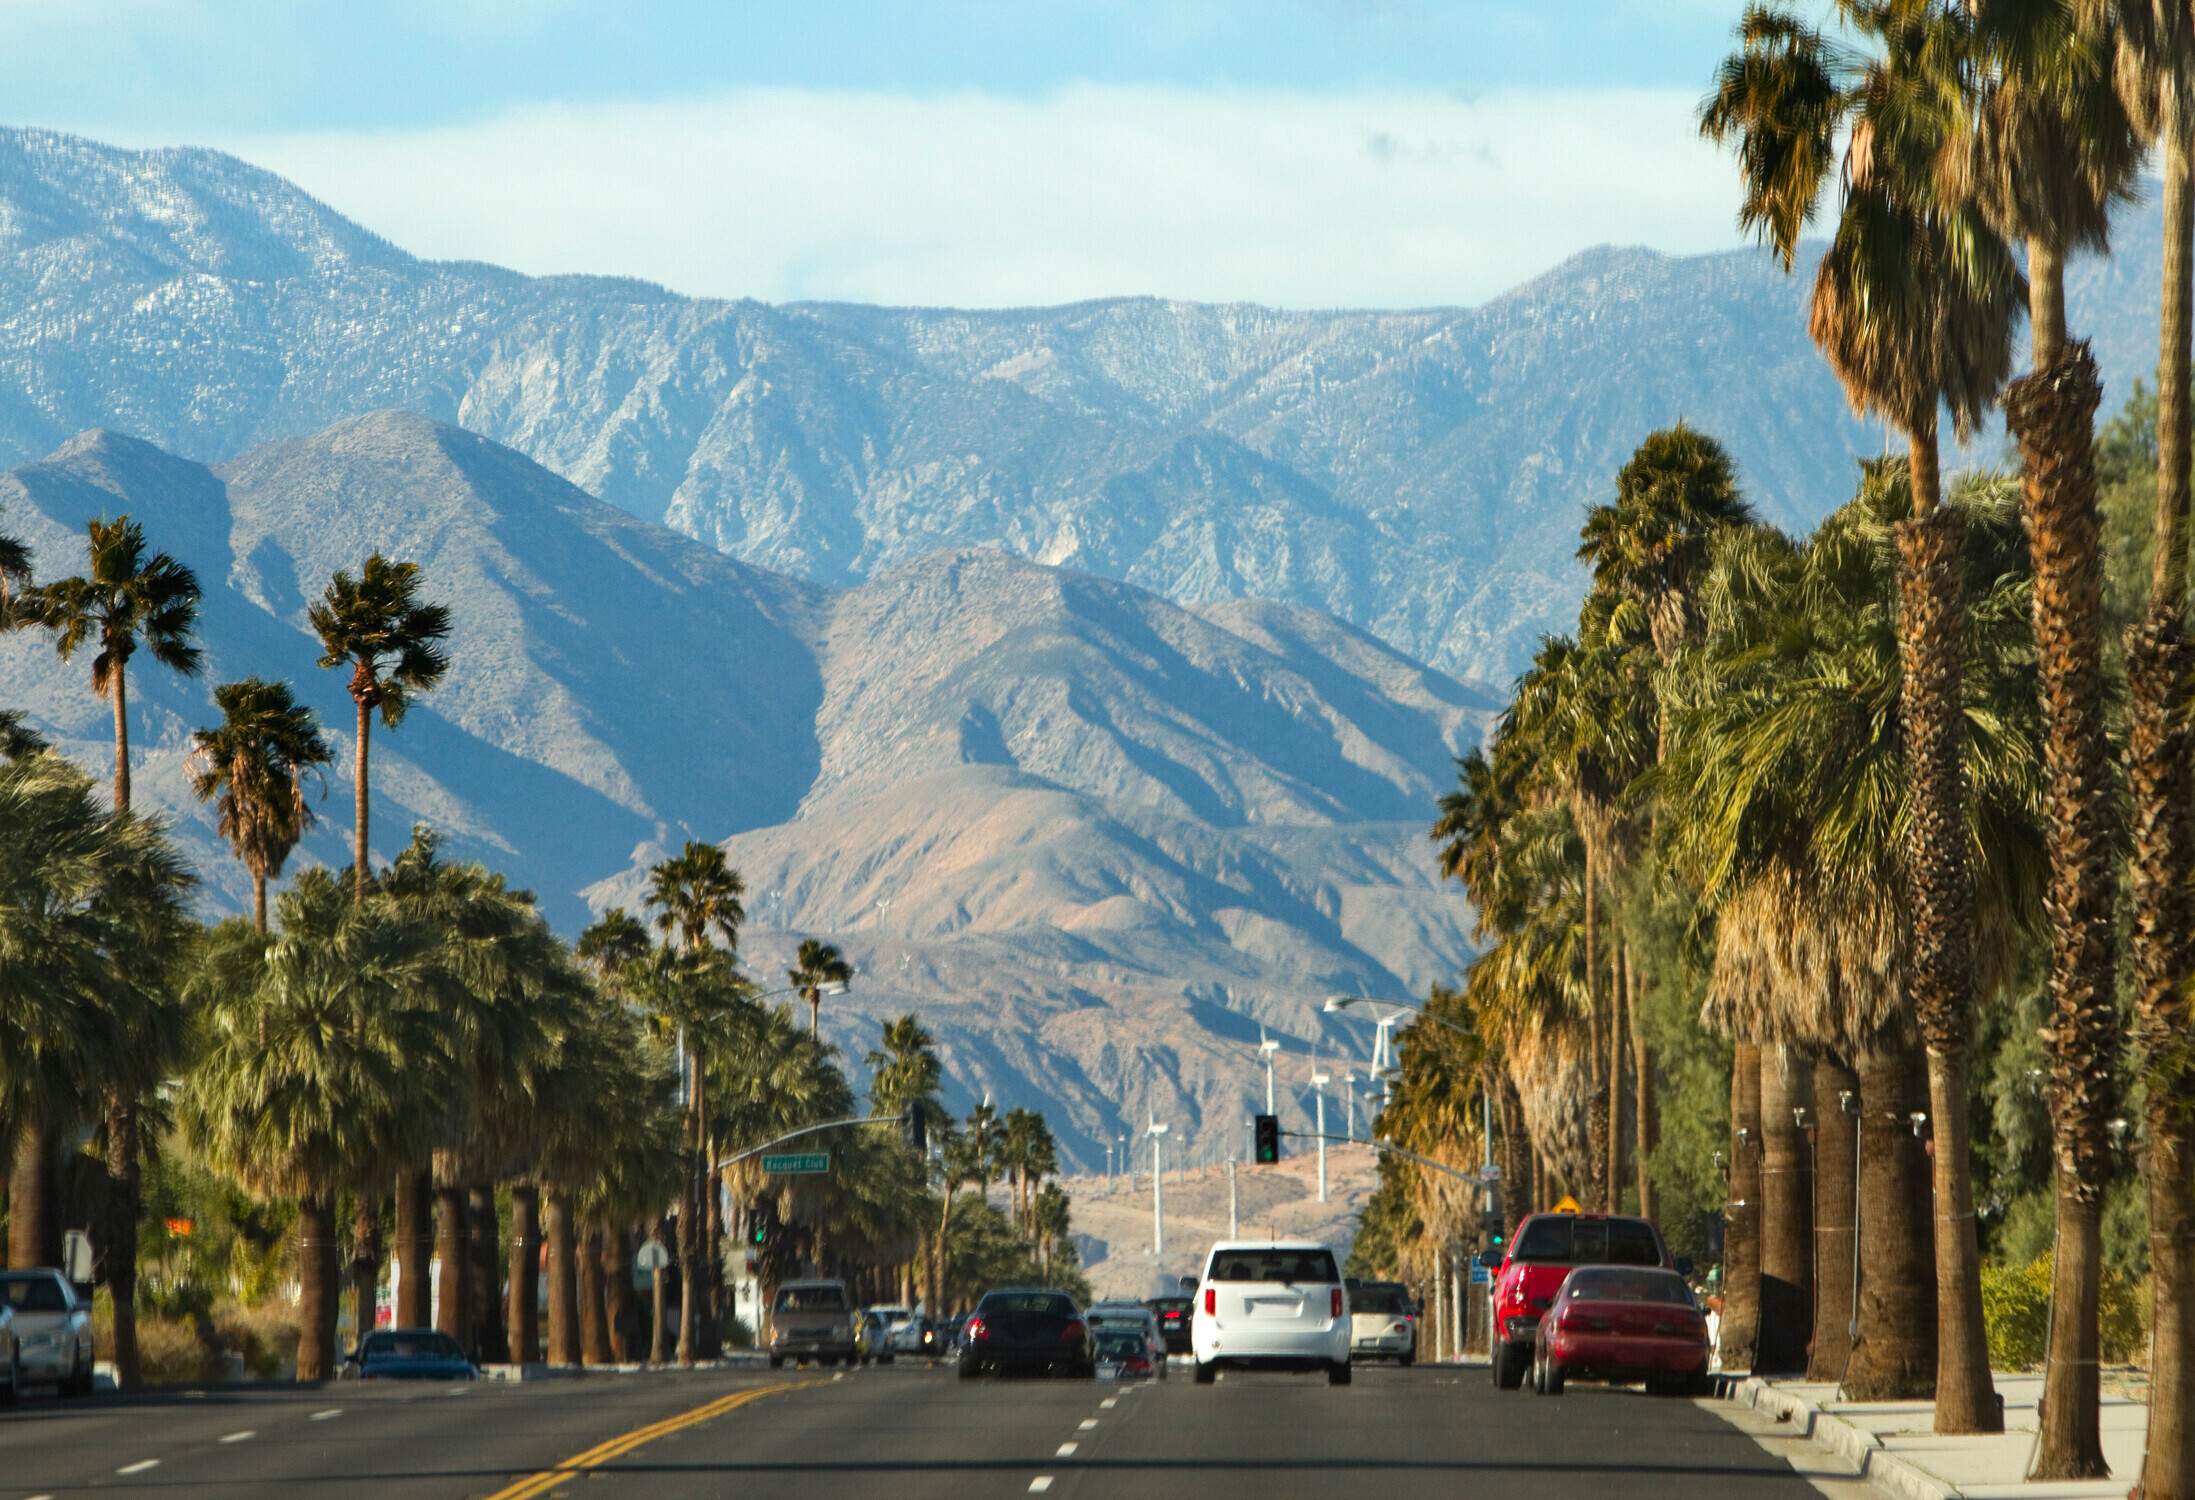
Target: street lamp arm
[[794, 1135]]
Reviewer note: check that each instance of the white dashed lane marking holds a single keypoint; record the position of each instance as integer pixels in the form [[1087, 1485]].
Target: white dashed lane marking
[[1040, 1484], [1089, 1423], [238, 1437], [1067, 1450], [322, 1416], [139, 1467]]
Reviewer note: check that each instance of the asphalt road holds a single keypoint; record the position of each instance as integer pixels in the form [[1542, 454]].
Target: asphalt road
[[908, 1432]]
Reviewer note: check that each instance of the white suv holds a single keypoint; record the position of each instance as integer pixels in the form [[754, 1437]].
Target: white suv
[[1279, 1304]]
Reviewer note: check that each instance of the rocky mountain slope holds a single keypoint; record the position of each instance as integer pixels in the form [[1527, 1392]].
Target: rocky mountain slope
[[1416, 473], [1095, 838]]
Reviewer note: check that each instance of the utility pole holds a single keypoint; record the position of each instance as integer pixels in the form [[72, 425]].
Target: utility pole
[[1234, 1222], [1349, 1105], [1108, 1161], [1157, 1132], [1318, 1081]]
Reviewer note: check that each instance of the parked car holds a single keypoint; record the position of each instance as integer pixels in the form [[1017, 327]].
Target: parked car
[[52, 1329], [1383, 1322], [873, 1338], [1109, 1317], [1543, 1251], [14, 1351], [1029, 1329], [410, 1354], [813, 1320], [1278, 1304], [949, 1334], [1173, 1321], [1122, 1354], [921, 1337], [1620, 1324]]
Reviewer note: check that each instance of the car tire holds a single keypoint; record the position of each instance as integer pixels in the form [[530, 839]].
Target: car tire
[[1206, 1374], [14, 1392], [1341, 1372], [1551, 1378], [1407, 1359], [969, 1369], [777, 1361], [1508, 1362]]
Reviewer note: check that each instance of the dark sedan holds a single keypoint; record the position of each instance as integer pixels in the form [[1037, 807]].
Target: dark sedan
[[1029, 1330], [1173, 1321], [411, 1354]]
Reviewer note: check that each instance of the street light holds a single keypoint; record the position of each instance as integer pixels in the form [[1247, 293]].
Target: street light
[[1157, 1133]]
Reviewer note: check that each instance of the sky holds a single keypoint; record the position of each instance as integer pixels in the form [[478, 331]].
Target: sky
[[1304, 153]]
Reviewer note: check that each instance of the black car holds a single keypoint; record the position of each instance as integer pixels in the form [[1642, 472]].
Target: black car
[[1033, 1330], [411, 1354], [1173, 1321]]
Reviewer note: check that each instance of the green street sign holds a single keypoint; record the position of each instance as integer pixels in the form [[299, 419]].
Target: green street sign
[[797, 1163]]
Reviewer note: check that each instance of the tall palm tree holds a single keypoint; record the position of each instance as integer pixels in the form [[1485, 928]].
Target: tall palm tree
[[612, 941], [124, 600], [2155, 64], [318, 1060], [377, 625], [254, 767], [819, 970], [1913, 305], [904, 1067]]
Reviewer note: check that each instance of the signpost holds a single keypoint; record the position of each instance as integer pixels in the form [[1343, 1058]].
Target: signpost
[[1489, 1173], [797, 1163]]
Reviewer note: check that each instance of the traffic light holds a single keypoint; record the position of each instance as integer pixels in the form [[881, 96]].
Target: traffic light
[[1492, 1229], [762, 1224], [914, 1129], [1268, 1139]]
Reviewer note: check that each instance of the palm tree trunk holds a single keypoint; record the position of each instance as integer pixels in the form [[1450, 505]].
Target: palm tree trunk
[[121, 1228], [259, 902], [620, 1313], [358, 805], [34, 1226], [1895, 1357], [450, 1314], [1835, 1173], [712, 1255], [567, 1251], [2175, 343], [593, 1296], [689, 1269], [659, 1338], [1646, 1131], [1741, 1243], [483, 1237], [414, 1249], [1619, 1037], [1932, 658], [316, 1286], [2052, 413], [1787, 1202], [121, 698], [521, 1298], [2045, 301], [1601, 1182], [365, 1264]]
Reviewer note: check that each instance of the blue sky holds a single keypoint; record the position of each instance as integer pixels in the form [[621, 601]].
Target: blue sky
[[1379, 152]]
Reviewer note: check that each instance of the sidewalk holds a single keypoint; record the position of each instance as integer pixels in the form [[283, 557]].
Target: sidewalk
[[1893, 1446]]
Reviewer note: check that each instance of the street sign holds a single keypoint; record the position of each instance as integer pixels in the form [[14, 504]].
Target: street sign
[[797, 1163], [1480, 1275], [651, 1256], [1489, 1173], [1567, 1205]]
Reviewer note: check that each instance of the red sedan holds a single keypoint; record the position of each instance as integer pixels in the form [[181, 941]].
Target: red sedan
[[1621, 1324]]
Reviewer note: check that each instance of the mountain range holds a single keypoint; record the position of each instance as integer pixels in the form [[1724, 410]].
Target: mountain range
[[1417, 473]]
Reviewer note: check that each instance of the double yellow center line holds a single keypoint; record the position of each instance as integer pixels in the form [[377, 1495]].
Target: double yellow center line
[[601, 1453]]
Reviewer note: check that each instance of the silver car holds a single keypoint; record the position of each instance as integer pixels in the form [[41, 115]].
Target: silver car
[[52, 1329], [1132, 1318]]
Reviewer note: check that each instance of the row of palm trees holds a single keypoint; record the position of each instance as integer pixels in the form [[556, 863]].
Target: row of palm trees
[[389, 1050], [1858, 772]]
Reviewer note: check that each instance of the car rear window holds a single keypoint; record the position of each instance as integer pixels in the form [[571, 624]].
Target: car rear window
[[411, 1346], [33, 1292], [1379, 1299], [1053, 1304], [1629, 1286], [1117, 1344], [1273, 1265], [1559, 1239], [812, 1299]]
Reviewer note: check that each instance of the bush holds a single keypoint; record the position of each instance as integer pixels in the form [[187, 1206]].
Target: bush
[[2016, 1312], [266, 1336]]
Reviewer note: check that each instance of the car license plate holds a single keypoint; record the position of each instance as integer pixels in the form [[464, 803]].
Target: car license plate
[[1276, 1307]]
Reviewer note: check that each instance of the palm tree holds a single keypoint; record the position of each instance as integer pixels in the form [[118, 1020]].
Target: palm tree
[[318, 1060], [125, 600], [818, 970], [376, 625], [2155, 63], [1913, 305], [254, 767], [611, 942], [14, 578]]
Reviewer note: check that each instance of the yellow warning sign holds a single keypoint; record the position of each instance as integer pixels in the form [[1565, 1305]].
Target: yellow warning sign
[[1566, 1205]]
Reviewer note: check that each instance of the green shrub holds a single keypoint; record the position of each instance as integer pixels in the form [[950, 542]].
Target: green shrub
[[265, 1335], [2016, 1312]]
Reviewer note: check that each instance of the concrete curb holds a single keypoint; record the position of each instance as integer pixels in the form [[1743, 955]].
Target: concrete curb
[[1878, 1465]]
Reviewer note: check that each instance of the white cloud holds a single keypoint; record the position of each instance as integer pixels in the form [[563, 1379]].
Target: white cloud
[[1372, 199]]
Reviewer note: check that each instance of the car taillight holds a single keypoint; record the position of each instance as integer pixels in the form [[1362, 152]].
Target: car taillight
[[1073, 1333], [975, 1330], [1211, 1302], [1335, 1305]]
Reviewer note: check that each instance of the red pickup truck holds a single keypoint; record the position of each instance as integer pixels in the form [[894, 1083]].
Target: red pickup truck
[[1545, 1248]]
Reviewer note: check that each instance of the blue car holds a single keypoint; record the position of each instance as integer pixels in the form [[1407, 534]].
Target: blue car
[[411, 1354]]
